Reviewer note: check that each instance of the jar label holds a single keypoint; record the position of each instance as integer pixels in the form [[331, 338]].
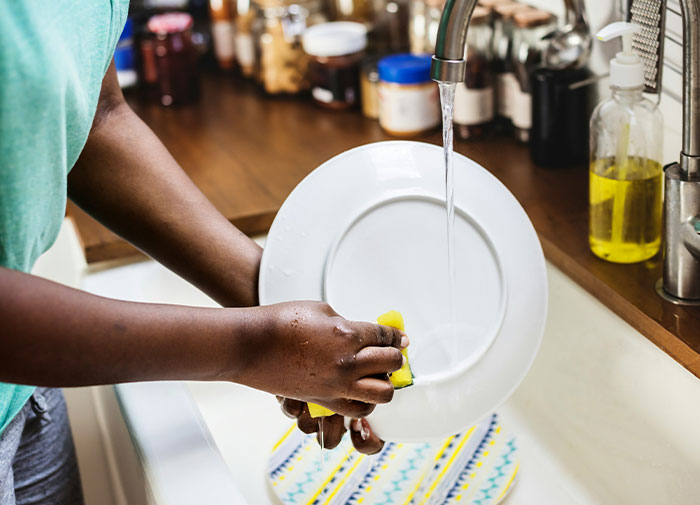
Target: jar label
[[245, 49], [409, 109], [322, 94], [473, 106], [521, 108], [505, 86], [223, 34]]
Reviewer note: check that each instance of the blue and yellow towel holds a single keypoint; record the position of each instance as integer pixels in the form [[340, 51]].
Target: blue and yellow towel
[[475, 467]]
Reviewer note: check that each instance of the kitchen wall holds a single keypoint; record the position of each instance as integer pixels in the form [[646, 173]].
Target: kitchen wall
[[602, 12]]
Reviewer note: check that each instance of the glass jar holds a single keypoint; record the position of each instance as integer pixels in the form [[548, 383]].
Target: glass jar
[[502, 58], [424, 22], [409, 102], [281, 64], [474, 98], [336, 50], [389, 34], [369, 88], [244, 42], [360, 11], [529, 29], [175, 58]]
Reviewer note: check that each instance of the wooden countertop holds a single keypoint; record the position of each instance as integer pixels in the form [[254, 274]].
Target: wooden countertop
[[247, 151]]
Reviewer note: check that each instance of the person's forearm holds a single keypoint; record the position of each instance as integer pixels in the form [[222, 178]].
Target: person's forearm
[[52, 335], [127, 180]]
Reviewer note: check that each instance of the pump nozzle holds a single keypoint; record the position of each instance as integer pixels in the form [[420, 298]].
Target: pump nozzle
[[626, 70]]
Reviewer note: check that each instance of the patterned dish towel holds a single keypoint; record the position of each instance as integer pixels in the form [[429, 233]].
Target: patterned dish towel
[[475, 467]]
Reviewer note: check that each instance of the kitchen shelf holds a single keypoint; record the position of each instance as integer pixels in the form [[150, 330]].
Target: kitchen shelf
[[247, 151]]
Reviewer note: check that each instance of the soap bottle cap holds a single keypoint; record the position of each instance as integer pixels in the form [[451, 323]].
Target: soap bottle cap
[[626, 69]]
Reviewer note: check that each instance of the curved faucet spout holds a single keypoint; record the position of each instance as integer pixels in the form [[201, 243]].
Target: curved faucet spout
[[690, 157], [448, 63]]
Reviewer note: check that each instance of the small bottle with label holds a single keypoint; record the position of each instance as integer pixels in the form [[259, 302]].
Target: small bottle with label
[[504, 76], [222, 32], [474, 98], [528, 45]]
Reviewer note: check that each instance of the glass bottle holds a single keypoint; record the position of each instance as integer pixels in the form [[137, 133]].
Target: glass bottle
[[474, 98], [529, 29], [626, 176], [502, 59]]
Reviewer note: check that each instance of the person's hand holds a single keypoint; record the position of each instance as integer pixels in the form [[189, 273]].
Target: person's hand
[[305, 351], [364, 440]]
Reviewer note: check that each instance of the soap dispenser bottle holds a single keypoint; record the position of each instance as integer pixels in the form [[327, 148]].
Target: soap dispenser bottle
[[625, 173]]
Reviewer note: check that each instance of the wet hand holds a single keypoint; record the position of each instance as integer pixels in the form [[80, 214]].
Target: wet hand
[[364, 440], [310, 353]]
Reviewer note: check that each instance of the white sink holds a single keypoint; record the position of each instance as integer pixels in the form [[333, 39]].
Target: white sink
[[603, 417]]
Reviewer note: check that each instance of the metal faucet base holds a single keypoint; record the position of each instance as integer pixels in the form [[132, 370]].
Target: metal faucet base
[[670, 298], [682, 245]]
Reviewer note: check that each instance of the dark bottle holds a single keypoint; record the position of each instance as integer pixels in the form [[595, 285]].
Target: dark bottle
[[562, 101]]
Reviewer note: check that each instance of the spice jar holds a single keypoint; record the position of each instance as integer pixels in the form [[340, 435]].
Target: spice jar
[[530, 27], [336, 50], [502, 62], [474, 98], [408, 97], [175, 58], [369, 88], [281, 64]]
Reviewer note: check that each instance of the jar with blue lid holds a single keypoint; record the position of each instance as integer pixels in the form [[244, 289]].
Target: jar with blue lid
[[409, 101]]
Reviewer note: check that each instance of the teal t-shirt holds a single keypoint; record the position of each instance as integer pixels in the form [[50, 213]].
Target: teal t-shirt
[[53, 56]]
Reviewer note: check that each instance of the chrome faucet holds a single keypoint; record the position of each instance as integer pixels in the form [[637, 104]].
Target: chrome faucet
[[681, 278], [681, 273]]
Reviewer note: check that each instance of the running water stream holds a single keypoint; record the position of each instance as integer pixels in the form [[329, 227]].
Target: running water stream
[[447, 98]]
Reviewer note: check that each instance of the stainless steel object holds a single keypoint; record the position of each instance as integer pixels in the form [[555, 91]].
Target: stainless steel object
[[571, 45], [681, 280], [449, 64], [648, 42]]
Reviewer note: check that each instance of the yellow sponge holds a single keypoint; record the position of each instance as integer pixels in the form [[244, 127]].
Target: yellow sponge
[[316, 410], [401, 378]]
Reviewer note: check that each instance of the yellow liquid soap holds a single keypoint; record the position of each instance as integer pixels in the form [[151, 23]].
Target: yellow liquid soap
[[625, 209]]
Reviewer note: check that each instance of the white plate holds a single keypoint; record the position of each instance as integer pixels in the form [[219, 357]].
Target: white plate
[[366, 232]]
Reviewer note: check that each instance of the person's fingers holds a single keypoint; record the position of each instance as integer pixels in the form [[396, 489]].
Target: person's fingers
[[306, 423], [291, 408], [377, 361], [332, 429], [372, 390], [364, 440], [370, 334], [350, 408]]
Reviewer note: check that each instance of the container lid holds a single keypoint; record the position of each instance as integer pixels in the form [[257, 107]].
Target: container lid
[[334, 39], [480, 16], [490, 4], [532, 18], [507, 11], [626, 69], [405, 68], [172, 22]]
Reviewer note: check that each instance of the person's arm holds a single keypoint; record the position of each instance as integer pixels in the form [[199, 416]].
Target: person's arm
[[52, 335], [128, 180]]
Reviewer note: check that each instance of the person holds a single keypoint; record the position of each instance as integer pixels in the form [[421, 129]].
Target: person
[[66, 131]]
